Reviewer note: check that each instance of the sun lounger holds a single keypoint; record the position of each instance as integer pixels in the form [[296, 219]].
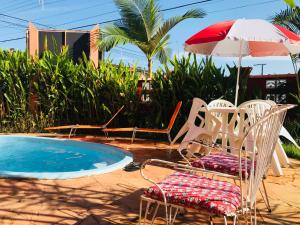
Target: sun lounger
[[74, 127], [135, 130]]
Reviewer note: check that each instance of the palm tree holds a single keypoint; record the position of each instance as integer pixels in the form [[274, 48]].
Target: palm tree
[[142, 24], [291, 3], [290, 19]]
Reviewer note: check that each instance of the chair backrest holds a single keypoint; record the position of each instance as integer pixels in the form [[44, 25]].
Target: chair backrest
[[255, 109], [112, 118], [206, 131], [175, 114], [197, 104], [264, 134], [220, 103], [197, 127], [217, 104]]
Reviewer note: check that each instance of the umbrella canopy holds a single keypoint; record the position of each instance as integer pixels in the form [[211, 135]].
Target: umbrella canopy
[[244, 37]]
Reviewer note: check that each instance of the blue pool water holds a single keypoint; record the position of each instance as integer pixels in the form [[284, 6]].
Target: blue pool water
[[51, 158]]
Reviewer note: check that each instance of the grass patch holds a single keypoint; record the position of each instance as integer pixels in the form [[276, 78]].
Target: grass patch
[[292, 151]]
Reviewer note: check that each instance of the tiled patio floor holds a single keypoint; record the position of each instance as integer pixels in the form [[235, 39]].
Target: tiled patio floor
[[113, 198]]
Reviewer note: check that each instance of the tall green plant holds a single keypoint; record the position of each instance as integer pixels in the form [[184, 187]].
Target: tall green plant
[[142, 25], [290, 19], [186, 78], [63, 92]]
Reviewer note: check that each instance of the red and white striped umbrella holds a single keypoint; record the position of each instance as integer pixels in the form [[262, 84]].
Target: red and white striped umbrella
[[244, 37]]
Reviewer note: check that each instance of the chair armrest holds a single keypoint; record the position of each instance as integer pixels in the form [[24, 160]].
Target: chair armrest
[[178, 166]]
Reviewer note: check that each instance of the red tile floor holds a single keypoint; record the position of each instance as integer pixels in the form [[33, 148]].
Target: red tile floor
[[113, 198]]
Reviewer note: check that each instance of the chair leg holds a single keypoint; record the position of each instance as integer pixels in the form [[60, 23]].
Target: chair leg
[[211, 220], [70, 134], [155, 213], [225, 220], [133, 136], [141, 209], [234, 220], [169, 138], [175, 214], [171, 211], [267, 197], [106, 134], [283, 159]]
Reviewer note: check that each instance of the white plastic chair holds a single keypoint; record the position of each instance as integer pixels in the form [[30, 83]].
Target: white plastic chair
[[219, 103], [255, 109], [196, 105], [204, 131], [188, 189]]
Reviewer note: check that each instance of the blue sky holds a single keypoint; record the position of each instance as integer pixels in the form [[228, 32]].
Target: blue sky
[[72, 13]]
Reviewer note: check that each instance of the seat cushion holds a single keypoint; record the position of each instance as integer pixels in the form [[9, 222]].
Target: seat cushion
[[198, 192], [223, 163]]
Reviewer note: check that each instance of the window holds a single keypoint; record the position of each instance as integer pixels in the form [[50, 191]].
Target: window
[[272, 84], [278, 98]]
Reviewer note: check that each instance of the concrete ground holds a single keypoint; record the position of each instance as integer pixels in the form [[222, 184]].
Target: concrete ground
[[113, 198]]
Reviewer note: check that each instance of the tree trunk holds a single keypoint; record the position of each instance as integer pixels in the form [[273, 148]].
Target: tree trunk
[[150, 68]]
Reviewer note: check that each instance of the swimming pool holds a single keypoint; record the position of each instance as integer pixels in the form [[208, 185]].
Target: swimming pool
[[52, 158]]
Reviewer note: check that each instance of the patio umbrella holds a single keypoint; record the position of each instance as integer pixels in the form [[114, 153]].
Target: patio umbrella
[[244, 37]]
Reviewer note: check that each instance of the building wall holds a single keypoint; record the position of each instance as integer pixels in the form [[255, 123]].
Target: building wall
[[274, 87], [53, 40]]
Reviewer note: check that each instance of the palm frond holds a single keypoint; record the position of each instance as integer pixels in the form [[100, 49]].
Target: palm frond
[[142, 24], [133, 17], [162, 51], [288, 18], [172, 22], [153, 17], [112, 36], [163, 54]]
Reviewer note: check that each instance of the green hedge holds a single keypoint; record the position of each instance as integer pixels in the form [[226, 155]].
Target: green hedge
[[292, 151], [52, 90]]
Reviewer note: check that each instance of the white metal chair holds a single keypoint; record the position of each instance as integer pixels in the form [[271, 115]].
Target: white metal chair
[[186, 188], [255, 109], [246, 116], [279, 149]]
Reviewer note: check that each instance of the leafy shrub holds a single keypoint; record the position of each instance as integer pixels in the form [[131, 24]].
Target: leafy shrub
[[56, 90], [184, 79], [292, 151], [52, 90]]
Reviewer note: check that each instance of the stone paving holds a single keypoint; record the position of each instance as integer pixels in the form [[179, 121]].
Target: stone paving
[[113, 198]]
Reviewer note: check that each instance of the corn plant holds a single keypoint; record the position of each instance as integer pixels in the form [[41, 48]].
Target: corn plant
[[185, 79], [53, 90]]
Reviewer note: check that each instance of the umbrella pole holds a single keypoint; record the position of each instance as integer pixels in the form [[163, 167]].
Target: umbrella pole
[[238, 75]]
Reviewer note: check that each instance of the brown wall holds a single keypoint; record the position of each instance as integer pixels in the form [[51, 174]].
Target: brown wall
[[258, 84]]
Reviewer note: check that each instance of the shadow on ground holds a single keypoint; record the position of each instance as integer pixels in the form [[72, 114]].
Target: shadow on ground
[[113, 198]]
